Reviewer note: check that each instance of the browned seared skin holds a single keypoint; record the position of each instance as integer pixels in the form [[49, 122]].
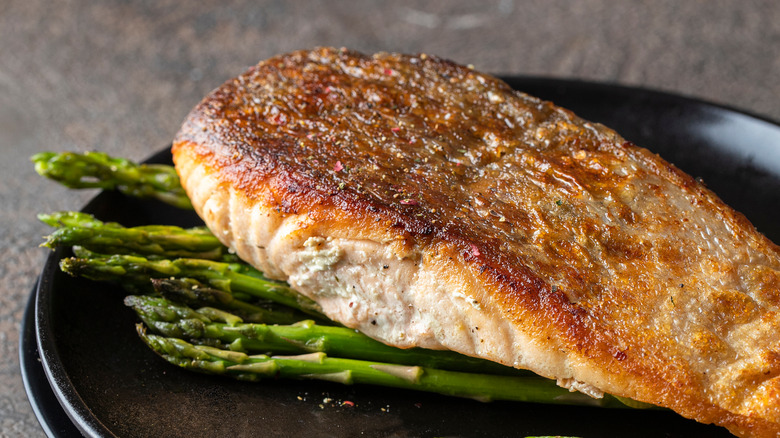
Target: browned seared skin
[[633, 277]]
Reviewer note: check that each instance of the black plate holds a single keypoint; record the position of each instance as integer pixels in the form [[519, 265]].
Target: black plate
[[47, 409], [110, 384]]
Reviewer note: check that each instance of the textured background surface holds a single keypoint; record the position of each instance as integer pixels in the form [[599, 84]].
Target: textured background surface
[[120, 76]]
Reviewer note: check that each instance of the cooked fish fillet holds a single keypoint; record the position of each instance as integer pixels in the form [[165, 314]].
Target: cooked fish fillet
[[427, 204]]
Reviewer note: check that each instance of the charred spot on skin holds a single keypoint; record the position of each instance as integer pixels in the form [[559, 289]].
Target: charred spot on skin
[[373, 322], [620, 356]]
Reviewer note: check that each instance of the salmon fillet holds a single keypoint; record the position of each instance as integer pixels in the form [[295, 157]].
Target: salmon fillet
[[427, 204]]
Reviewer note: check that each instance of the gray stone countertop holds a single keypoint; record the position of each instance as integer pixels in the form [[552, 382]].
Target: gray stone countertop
[[119, 77]]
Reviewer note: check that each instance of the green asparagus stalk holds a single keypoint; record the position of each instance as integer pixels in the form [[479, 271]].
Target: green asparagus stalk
[[173, 320], [74, 219], [193, 293], [99, 170], [228, 277], [484, 387], [75, 228]]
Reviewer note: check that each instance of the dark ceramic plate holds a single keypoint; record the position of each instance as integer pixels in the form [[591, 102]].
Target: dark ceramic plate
[[109, 384]]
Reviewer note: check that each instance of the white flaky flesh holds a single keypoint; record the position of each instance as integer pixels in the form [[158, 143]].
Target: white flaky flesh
[[366, 280]]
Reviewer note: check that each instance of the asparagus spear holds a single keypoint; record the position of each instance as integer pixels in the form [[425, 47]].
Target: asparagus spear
[[99, 170], [173, 320], [228, 277], [484, 387], [75, 228], [74, 219], [196, 294]]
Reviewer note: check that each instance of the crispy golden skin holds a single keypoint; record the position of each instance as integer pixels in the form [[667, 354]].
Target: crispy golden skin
[[581, 256]]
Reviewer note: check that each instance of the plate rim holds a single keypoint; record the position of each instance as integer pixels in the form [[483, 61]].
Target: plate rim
[[46, 407], [647, 90]]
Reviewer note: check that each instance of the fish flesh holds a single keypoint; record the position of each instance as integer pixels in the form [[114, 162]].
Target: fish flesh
[[427, 204]]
